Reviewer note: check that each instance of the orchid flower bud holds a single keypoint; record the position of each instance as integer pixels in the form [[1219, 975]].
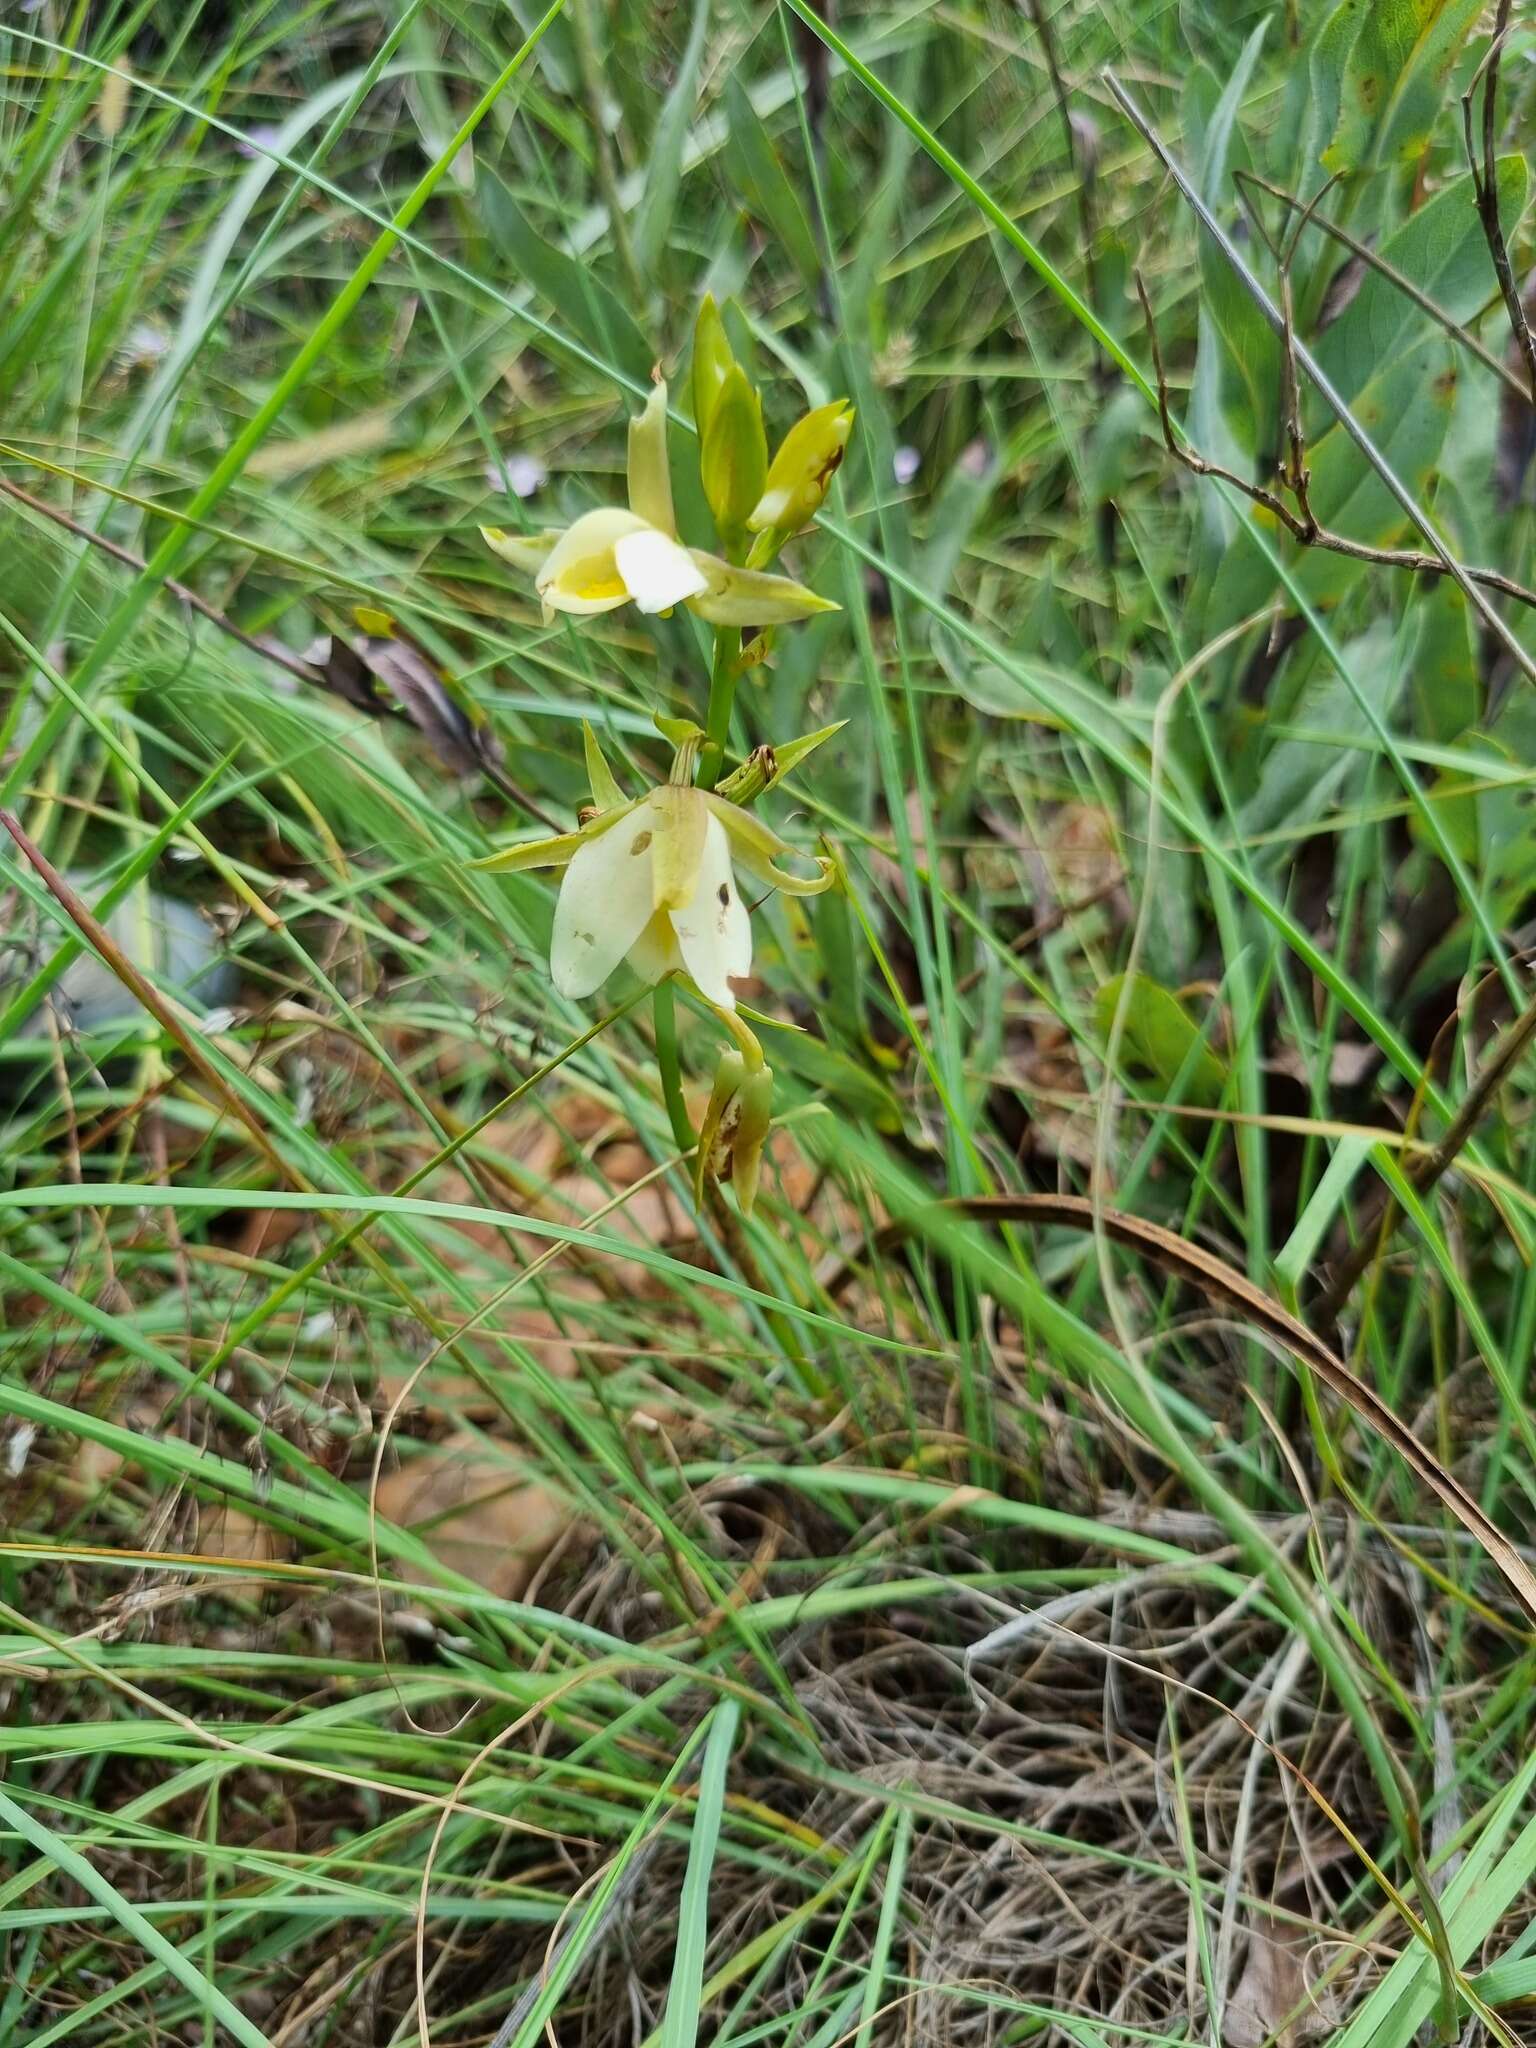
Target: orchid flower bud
[[754, 1120], [712, 362], [804, 466], [717, 1133], [733, 458]]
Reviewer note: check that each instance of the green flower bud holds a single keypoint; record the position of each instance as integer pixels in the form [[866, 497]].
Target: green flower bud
[[733, 460], [800, 472], [718, 1131], [753, 1123], [747, 783], [712, 362]]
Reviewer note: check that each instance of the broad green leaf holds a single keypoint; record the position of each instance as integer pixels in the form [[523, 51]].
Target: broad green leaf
[[1004, 695], [1446, 670], [1441, 250], [1406, 411], [587, 306], [1160, 1034], [1384, 68]]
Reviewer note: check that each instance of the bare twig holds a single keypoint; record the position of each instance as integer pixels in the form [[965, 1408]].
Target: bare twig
[[1393, 276], [1303, 525], [1486, 185], [1474, 586]]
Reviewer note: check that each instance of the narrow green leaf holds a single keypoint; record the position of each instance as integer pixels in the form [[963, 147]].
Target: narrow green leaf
[[79, 1870], [664, 169], [565, 284], [680, 2026], [764, 181]]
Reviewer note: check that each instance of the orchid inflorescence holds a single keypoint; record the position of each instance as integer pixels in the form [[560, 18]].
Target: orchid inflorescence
[[651, 880]]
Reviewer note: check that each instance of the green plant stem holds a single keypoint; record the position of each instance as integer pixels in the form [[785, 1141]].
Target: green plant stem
[[722, 699], [664, 1009]]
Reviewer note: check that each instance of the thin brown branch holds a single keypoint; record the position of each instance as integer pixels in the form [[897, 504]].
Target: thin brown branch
[[1473, 585], [1486, 185], [1393, 276], [1303, 527]]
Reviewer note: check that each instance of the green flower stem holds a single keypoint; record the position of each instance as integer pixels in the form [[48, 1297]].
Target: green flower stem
[[664, 1010], [722, 699]]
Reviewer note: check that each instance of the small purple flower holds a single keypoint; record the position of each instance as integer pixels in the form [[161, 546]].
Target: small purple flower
[[258, 141], [905, 464], [523, 475]]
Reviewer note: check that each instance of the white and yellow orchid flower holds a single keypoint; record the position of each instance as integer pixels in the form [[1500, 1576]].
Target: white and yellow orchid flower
[[611, 557], [653, 882]]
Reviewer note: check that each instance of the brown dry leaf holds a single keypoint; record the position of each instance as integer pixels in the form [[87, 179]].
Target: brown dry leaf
[[1271, 1991], [486, 1522], [95, 1463], [231, 1533], [650, 1215], [1082, 851]]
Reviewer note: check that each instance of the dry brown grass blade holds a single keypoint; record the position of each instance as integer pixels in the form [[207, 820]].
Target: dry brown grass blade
[[1221, 1282]]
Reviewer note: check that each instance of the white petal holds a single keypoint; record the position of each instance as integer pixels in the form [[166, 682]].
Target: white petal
[[657, 572], [714, 932], [605, 903]]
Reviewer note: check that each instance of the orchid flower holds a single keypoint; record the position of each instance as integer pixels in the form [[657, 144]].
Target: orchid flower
[[652, 881], [611, 557]]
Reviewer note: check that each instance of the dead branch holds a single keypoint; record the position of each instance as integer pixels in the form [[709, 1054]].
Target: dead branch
[[1302, 524], [1485, 185]]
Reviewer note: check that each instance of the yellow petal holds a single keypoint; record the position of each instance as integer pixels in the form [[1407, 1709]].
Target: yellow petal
[[581, 573]]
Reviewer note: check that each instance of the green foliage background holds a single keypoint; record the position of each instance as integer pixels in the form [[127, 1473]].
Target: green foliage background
[[1189, 868]]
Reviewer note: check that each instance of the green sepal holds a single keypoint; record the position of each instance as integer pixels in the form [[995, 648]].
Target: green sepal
[[606, 793]]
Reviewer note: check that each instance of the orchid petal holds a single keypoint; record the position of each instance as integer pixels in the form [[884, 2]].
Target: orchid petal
[[604, 905], [758, 846], [657, 572], [681, 824], [581, 573], [714, 931], [650, 477], [526, 551], [655, 954], [524, 854], [751, 597]]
